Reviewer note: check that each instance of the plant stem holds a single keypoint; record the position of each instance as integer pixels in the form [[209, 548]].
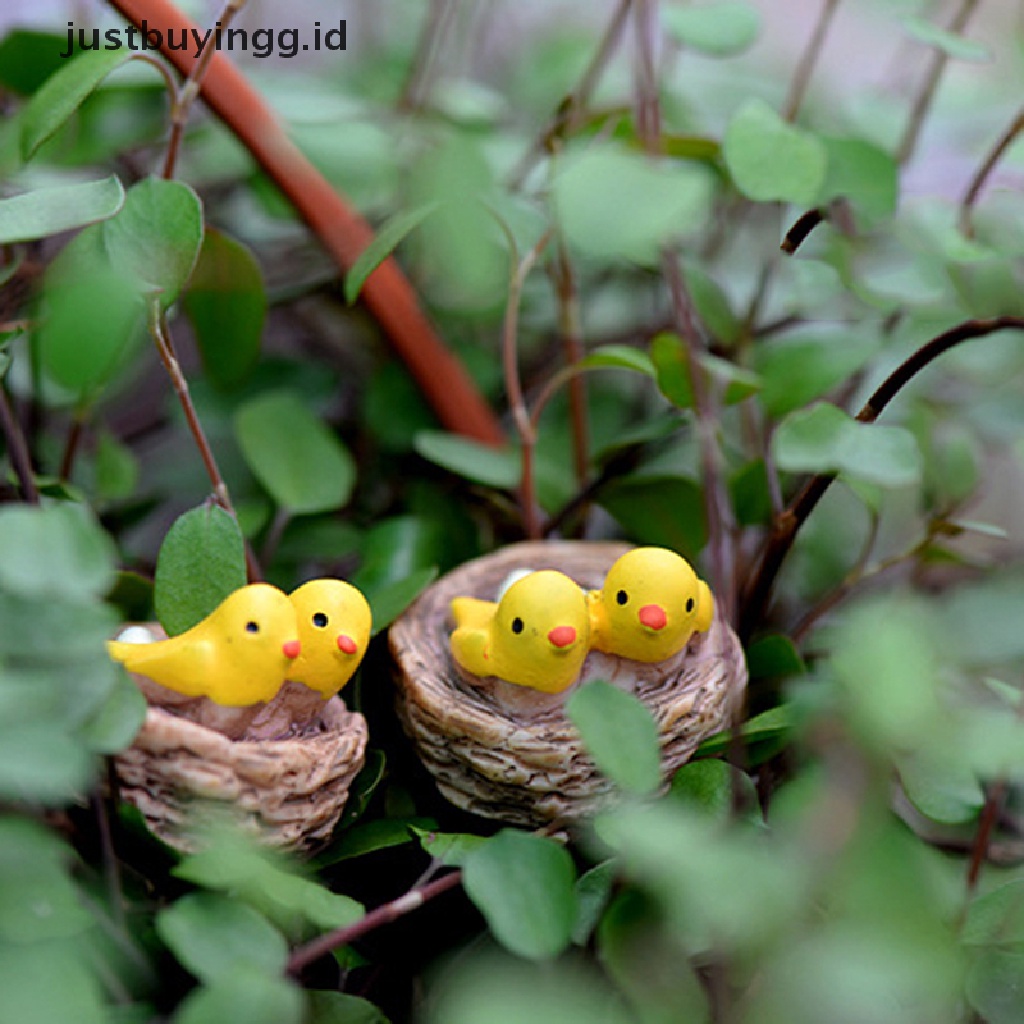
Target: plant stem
[[716, 501], [17, 449], [788, 523], [189, 92], [571, 329], [436, 26], [412, 900], [923, 100], [570, 110], [986, 822], [343, 232], [514, 389], [808, 60], [981, 175], [647, 113], [797, 234], [72, 444]]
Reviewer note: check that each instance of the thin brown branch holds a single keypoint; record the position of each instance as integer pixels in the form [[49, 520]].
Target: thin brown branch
[[570, 111], [647, 102], [72, 444], [808, 60], [979, 848], [514, 388], [386, 914], [17, 449], [189, 92], [436, 26], [718, 509], [926, 95], [571, 330], [984, 171], [797, 234], [786, 526]]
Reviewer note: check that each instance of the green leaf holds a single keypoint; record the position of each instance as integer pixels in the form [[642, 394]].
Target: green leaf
[[227, 305], [798, 368], [665, 511], [994, 984], [774, 657], [449, 847], [950, 43], [340, 1008], [379, 834], [201, 562], [89, 325], [996, 918], [711, 304], [212, 935], [28, 57], [721, 29], [772, 726], [614, 204], [117, 469], [384, 242], [52, 981], [864, 174], [39, 764], [63, 93], [55, 551], [523, 885], [618, 357], [49, 211], [668, 353], [772, 160], [114, 725], [824, 439], [620, 734], [941, 787], [707, 786], [388, 601], [157, 236], [245, 995], [481, 463], [593, 891], [293, 454]]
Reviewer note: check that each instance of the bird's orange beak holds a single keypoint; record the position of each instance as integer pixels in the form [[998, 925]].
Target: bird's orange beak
[[291, 648], [653, 616], [346, 644], [562, 636]]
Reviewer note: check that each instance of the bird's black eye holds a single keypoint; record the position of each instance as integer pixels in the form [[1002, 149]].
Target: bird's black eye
[[517, 625], [319, 620], [622, 597], [689, 604], [252, 627]]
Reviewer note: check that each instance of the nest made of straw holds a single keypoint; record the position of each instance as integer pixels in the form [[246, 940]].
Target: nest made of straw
[[507, 752], [290, 791]]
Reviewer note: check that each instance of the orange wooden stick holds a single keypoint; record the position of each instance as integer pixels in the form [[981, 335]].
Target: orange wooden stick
[[343, 232]]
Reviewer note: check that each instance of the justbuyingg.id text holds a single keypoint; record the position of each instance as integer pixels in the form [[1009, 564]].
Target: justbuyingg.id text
[[260, 42]]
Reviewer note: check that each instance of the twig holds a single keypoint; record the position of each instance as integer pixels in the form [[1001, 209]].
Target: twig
[[412, 900], [514, 389], [787, 525], [716, 501], [71, 444], [809, 58], [436, 26], [797, 234], [981, 175], [111, 870], [979, 848], [343, 232], [647, 103], [924, 98], [17, 450], [570, 327], [189, 92], [570, 110]]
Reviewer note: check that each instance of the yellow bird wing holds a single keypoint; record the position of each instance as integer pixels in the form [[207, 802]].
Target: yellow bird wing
[[705, 607], [472, 613], [180, 664]]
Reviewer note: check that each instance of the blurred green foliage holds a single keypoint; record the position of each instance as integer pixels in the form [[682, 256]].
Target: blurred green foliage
[[852, 852]]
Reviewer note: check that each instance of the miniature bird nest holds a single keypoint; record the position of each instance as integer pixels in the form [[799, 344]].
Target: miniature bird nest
[[508, 752], [290, 791]]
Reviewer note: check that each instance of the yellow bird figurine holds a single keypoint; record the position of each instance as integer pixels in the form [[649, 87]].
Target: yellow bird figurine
[[537, 635], [651, 603], [334, 626], [240, 654]]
